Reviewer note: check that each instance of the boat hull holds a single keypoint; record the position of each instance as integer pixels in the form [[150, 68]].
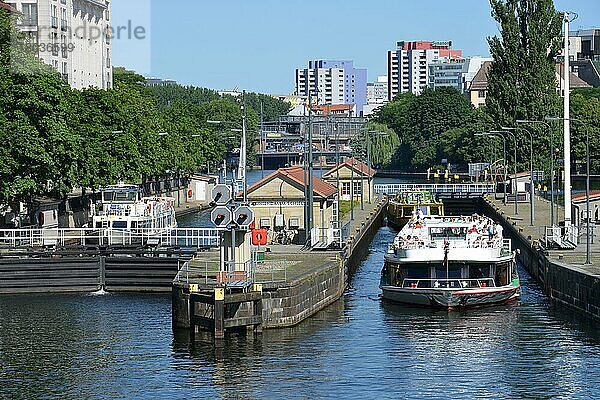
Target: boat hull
[[450, 298]]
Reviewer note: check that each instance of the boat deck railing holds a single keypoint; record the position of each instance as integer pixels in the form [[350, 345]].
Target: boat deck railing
[[448, 283], [52, 237], [503, 245]]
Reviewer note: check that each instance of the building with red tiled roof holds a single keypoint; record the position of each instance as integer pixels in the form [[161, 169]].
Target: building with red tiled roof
[[334, 109], [279, 199], [7, 7], [579, 208], [355, 177]]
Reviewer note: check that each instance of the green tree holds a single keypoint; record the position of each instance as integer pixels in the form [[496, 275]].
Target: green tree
[[585, 106], [381, 141], [522, 78], [34, 114]]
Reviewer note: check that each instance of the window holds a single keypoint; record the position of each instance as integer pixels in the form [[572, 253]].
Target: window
[[481, 94], [345, 188], [30, 14], [55, 45], [357, 188], [54, 18], [63, 19]]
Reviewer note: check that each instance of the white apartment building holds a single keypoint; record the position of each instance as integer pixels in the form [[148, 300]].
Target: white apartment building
[[408, 65], [333, 83], [73, 36]]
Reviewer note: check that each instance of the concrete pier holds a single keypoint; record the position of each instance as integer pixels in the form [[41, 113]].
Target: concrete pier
[[296, 282], [562, 273]]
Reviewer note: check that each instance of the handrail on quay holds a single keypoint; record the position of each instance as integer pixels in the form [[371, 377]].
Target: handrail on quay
[[48, 237]]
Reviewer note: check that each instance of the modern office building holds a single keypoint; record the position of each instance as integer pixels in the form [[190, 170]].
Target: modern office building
[[456, 73], [408, 64], [73, 36], [590, 44], [377, 92], [333, 82]]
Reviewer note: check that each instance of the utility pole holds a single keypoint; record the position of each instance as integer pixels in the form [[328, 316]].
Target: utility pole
[[310, 165], [567, 126], [263, 143], [242, 166]]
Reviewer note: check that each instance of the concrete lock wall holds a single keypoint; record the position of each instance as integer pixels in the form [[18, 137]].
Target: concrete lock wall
[[564, 284], [290, 305], [572, 287], [283, 306]]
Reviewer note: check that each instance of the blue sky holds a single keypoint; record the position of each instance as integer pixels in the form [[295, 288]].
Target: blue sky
[[257, 44]]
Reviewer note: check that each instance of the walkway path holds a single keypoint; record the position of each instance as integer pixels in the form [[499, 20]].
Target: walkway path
[[542, 216]]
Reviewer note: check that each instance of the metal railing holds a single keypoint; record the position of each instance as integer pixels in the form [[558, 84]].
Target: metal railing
[[564, 238], [39, 237], [324, 237], [209, 273], [452, 283], [472, 188]]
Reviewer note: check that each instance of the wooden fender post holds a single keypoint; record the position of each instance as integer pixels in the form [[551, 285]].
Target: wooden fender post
[[219, 313], [257, 305]]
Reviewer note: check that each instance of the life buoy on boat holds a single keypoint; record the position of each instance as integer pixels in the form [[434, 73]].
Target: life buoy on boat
[[190, 193]]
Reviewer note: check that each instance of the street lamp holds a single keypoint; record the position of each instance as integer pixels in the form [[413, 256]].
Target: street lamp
[[515, 166], [531, 190], [587, 181], [242, 163], [493, 135], [526, 121]]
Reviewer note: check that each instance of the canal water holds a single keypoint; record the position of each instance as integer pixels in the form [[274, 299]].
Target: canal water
[[99, 346]]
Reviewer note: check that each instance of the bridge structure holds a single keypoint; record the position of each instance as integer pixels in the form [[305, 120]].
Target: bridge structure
[[458, 190]]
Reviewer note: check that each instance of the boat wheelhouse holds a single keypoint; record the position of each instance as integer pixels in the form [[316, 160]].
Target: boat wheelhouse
[[450, 262], [404, 206], [122, 210]]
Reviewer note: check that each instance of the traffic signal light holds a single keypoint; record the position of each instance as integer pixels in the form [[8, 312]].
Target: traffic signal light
[[221, 195], [221, 216], [243, 216]]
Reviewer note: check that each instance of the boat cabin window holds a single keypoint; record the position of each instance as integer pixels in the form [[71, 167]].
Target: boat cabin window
[[119, 224], [479, 272], [442, 232], [112, 195], [454, 272]]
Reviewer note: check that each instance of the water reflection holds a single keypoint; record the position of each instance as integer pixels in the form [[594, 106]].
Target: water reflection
[[122, 346]]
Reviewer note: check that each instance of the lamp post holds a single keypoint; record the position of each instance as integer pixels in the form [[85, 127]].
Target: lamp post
[[526, 121], [514, 167], [242, 163], [493, 135], [587, 181], [531, 189]]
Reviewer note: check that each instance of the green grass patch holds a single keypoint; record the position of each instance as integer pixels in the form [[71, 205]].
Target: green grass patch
[[345, 206]]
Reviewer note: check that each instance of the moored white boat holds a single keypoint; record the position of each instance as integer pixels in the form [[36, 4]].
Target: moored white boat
[[450, 262], [122, 212]]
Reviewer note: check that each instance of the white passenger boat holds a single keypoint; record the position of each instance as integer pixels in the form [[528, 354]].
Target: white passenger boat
[[450, 262], [122, 212]]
